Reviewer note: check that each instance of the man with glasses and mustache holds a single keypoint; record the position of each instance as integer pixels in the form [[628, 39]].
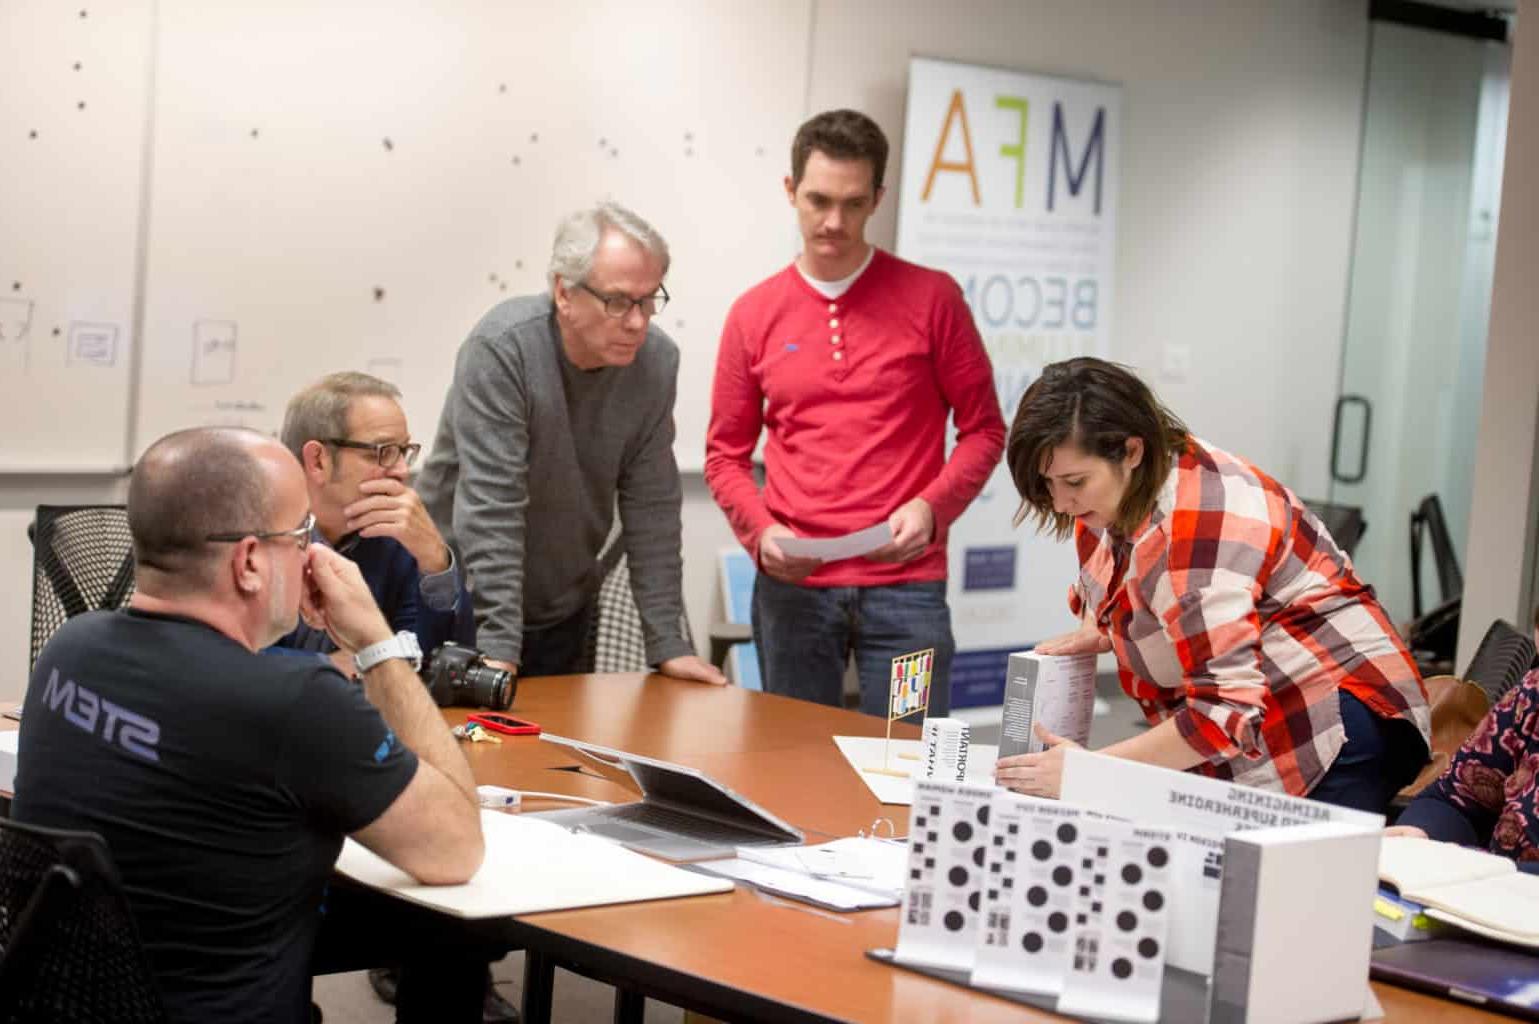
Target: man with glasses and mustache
[[349, 433], [224, 781], [561, 410]]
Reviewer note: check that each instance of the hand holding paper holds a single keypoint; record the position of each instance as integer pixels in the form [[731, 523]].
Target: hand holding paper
[[913, 526], [830, 549], [779, 563]]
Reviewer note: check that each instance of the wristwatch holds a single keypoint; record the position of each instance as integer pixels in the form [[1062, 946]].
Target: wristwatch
[[403, 645]]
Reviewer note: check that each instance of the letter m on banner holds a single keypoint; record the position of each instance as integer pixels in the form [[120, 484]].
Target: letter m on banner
[[1095, 147]]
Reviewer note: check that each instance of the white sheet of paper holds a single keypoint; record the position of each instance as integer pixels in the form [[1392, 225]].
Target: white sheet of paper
[[9, 741], [831, 549], [865, 752], [796, 884], [533, 865], [875, 865]]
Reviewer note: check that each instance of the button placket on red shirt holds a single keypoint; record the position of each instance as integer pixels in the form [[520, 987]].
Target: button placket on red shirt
[[837, 354]]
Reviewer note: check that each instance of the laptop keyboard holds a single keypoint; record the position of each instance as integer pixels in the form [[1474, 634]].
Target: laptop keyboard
[[702, 829]]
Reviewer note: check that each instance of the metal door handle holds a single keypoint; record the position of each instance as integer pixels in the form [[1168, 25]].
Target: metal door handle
[[1362, 460]]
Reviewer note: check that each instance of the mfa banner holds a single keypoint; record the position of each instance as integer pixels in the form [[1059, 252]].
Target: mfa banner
[[1010, 185]]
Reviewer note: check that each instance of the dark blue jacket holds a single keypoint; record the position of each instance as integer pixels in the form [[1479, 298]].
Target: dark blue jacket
[[391, 573]]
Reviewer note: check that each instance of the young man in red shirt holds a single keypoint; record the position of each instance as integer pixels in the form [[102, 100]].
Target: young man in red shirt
[[853, 360]]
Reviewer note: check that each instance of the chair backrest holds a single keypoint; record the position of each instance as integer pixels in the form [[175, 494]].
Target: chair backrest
[[1345, 523], [1501, 661], [1457, 707], [69, 949], [616, 642], [1428, 519], [82, 560]]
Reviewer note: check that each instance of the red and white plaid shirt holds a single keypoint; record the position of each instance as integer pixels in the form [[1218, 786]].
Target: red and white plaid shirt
[[1231, 610]]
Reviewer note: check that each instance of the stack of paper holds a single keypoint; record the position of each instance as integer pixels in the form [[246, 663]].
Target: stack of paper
[[869, 754], [846, 874]]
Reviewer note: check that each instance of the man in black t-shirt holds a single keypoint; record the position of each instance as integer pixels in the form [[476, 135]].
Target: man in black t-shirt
[[223, 781]]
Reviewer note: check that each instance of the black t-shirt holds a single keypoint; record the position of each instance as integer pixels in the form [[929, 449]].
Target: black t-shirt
[[222, 780]]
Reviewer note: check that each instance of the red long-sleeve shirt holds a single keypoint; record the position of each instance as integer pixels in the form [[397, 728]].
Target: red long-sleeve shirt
[[855, 392]]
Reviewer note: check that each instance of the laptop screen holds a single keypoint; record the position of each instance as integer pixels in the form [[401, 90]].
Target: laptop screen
[[667, 785], [680, 787]]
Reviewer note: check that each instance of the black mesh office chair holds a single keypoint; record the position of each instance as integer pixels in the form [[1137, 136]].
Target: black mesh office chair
[[82, 560], [1501, 661], [69, 950], [1428, 525], [616, 642], [1345, 523]]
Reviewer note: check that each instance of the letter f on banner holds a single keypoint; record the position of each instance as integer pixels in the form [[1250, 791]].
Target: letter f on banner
[[956, 111], [1017, 149]]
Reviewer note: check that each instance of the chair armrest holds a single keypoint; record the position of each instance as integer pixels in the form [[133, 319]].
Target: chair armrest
[[724, 635]]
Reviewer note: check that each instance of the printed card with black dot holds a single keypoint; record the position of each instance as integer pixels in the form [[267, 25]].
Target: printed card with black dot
[[1029, 906], [1120, 923], [947, 857]]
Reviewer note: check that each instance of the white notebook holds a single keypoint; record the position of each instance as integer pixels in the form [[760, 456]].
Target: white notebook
[[1477, 891], [533, 866]]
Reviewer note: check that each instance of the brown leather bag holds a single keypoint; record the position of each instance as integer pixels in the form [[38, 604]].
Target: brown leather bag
[[1457, 707]]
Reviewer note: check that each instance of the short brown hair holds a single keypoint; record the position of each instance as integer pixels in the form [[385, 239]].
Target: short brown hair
[[1096, 406], [843, 135], [188, 485], [320, 410]]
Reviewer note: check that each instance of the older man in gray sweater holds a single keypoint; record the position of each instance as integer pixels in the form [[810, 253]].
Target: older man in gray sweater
[[561, 410]]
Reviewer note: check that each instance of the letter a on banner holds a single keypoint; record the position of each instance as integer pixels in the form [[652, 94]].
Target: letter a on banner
[[957, 111]]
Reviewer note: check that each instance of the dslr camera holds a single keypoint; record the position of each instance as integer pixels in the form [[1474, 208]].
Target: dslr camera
[[460, 677]]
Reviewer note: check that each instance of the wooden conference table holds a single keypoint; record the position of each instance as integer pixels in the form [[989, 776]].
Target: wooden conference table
[[735, 956]]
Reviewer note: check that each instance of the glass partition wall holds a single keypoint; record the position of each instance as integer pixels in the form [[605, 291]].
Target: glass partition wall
[[1419, 297]]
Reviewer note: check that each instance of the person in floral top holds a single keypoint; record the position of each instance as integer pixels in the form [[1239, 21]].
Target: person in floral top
[[1239, 626], [1489, 794]]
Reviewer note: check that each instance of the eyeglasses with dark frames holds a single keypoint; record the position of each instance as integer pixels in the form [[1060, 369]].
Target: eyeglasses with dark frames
[[619, 306], [300, 533], [386, 454]]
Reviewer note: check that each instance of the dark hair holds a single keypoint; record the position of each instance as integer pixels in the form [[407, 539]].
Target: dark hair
[[1096, 406], [843, 135], [188, 485]]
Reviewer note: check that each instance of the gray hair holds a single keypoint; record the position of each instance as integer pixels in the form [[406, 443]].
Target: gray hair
[[579, 234], [320, 410], [188, 485]]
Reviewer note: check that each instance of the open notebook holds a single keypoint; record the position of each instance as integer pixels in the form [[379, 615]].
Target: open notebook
[[1479, 892]]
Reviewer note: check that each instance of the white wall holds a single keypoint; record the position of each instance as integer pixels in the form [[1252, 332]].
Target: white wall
[[1238, 180], [1500, 548]]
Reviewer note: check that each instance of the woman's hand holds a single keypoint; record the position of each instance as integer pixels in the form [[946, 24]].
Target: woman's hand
[[1085, 640], [1407, 831], [1035, 774]]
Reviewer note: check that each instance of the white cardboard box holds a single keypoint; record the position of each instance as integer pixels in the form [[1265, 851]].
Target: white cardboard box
[[1295, 924]]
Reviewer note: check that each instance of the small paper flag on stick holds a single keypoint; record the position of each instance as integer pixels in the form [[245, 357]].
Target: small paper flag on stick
[[908, 692], [910, 686]]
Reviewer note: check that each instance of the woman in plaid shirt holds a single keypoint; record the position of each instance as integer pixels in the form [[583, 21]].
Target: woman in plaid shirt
[[1239, 626]]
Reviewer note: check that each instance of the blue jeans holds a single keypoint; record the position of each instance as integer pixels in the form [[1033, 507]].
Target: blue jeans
[[805, 636], [1380, 758]]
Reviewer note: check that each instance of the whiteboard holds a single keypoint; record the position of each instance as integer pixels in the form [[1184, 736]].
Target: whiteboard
[[352, 185], [74, 96]]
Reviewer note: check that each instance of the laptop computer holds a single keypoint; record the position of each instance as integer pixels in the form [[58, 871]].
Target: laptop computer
[[683, 813], [1502, 979]]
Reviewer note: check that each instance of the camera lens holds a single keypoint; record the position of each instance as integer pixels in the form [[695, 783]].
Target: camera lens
[[488, 687]]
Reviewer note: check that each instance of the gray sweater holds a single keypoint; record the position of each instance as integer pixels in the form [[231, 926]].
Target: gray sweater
[[531, 458]]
